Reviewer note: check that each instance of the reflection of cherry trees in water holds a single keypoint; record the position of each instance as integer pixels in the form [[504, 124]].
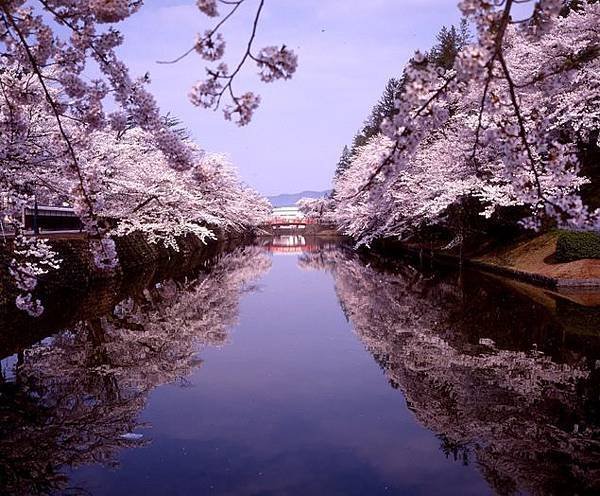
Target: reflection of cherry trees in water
[[528, 419], [76, 397]]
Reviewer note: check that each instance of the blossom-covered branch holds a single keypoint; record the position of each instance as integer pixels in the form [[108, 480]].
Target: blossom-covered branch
[[273, 62]]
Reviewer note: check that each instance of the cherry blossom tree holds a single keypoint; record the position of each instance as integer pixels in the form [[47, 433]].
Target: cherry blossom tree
[[66, 36], [59, 76], [133, 189], [317, 209], [143, 194], [502, 126]]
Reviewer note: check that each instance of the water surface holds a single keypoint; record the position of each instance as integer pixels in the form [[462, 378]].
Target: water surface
[[289, 369]]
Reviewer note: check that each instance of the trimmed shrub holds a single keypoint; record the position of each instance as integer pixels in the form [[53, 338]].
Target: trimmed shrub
[[572, 245]]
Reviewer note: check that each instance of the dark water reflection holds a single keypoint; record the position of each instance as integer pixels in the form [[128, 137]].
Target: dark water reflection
[[245, 376], [508, 380]]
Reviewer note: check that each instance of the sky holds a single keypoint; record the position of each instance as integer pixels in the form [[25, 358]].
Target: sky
[[347, 50]]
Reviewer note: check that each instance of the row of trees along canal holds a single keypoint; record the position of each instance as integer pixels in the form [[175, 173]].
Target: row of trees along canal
[[503, 123], [486, 136], [77, 128]]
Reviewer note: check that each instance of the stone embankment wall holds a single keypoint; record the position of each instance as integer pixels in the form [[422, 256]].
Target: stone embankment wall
[[134, 251], [79, 291]]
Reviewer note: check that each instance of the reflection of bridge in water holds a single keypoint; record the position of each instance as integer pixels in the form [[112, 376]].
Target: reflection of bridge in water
[[293, 244]]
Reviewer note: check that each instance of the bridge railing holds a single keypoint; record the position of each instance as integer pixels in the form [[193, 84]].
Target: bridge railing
[[287, 220], [301, 221]]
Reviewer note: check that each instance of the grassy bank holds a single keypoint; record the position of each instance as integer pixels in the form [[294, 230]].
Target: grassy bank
[[537, 256], [531, 259]]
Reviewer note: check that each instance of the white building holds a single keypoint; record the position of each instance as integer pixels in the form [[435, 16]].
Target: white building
[[291, 214]]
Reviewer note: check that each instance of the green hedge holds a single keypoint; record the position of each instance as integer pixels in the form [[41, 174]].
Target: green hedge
[[573, 245]]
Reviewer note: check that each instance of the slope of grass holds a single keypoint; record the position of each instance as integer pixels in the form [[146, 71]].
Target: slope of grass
[[537, 256]]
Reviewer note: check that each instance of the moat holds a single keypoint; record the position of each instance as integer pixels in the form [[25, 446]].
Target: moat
[[302, 368]]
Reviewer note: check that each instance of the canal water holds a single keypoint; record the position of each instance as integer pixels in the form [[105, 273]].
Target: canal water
[[298, 369]]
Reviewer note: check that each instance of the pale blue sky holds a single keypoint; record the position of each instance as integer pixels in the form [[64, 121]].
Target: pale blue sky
[[347, 50]]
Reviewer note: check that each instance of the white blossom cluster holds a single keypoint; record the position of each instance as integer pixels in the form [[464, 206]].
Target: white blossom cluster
[[244, 106], [210, 46], [276, 63], [318, 209], [208, 7], [33, 257], [148, 196], [112, 10]]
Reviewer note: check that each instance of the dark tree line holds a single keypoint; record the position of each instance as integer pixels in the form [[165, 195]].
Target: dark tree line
[[449, 42]]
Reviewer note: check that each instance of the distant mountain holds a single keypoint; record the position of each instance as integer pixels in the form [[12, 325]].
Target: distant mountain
[[289, 199]]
